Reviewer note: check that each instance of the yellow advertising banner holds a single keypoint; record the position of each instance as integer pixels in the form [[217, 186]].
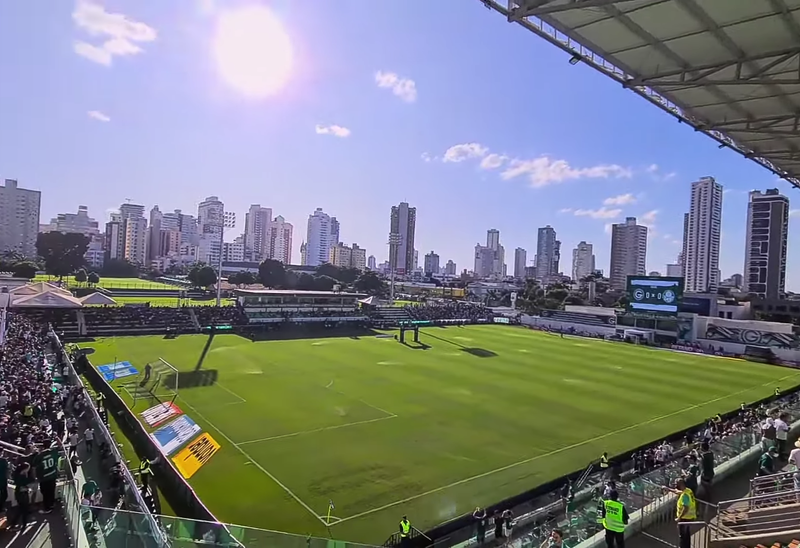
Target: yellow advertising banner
[[195, 455]]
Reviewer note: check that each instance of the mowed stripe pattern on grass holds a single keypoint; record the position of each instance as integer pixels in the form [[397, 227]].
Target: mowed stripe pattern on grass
[[458, 416]]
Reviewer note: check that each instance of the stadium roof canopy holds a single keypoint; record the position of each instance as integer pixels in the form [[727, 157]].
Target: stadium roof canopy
[[728, 68], [294, 293]]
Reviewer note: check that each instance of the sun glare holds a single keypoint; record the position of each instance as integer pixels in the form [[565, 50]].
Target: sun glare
[[252, 51]]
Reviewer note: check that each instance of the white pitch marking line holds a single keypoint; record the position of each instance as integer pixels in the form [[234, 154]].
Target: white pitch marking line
[[256, 464], [551, 453], [323, 429], [231, 392], [329, 384], [375, 407]]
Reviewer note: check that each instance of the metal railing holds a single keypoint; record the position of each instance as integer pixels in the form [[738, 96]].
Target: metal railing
[[148, 526], [119, 527]]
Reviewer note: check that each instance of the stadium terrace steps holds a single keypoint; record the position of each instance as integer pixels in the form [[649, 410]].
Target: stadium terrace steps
[[576, 318], [136, 321], [392, 315]]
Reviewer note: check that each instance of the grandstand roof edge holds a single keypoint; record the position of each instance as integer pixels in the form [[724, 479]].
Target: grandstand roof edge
[[298, 292]]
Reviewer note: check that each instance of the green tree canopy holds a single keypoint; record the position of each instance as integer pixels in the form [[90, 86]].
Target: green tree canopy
[[206, 276], [81, 276], [62, 253], [25, 269], [272, 274], [371, 283], [93, 278], [119, 268]]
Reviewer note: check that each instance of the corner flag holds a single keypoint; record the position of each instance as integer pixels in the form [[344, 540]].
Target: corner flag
[[330, 508]]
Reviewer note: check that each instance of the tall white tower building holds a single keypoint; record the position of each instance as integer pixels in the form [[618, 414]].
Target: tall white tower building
[[19, 218], [702, 236], [279, 240], [582, 261], [628, 252], [402, 226], [256, 226], [322, 234], [210, 214]]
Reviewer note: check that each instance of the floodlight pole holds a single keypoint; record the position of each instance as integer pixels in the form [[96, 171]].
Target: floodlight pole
[[394, 245]]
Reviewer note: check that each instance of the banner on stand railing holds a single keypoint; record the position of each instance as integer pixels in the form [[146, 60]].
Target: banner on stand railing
[[195, 455], [170, 437], [160, 413]]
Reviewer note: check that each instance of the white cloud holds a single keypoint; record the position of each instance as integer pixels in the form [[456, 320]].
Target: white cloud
[[622, 199], [607, 228], [118, 34], [601, 213], [566, 210], [493, 161], [545, 171], [99, 116], [648, 219], [652, 168], [465, 151], [405, 88], [794, 213], [426, 157], [657, 175], [336, 131]]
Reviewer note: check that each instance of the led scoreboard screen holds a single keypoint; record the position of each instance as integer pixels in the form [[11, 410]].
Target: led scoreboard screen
[[654, 294]]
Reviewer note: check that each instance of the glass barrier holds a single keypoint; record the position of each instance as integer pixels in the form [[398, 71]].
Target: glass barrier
[[119, 528]]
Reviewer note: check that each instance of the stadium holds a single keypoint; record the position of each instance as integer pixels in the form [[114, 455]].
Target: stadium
[[328, 415], [320, 418]]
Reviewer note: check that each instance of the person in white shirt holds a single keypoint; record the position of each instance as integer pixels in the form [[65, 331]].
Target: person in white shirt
[[767, 433], [781, 433], [73, 442], [794, 465], [88, 436]]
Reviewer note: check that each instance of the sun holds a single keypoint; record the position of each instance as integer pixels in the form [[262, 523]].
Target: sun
[[252, 51]]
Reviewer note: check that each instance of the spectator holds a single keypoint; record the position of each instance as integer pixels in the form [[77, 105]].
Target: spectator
[[479, 515]]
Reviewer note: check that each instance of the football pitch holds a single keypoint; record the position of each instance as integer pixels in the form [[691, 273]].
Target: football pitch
[[472, 416]]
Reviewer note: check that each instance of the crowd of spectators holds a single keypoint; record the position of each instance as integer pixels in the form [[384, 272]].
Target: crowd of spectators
[[36, 414], [220, 315], [449, 310], [310, 313], [156, 317]]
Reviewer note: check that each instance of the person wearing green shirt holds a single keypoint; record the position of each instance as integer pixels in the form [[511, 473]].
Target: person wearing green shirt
[[47, 464], [766, 464]]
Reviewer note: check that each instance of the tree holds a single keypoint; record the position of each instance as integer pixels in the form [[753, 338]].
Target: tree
[[93, 278], [324, 283], [272, 274], [25, 269], [62, 253], [81, 276], [119, 268], [305, 282], [206, 276], [371, 283]]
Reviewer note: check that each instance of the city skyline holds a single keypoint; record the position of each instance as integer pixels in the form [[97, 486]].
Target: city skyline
[[357, 129]]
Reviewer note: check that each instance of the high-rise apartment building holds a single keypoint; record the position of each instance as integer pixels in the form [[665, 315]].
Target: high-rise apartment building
[[450, 268], [320, 237], [484, 261], [114, 244], [233, 251], [279, 240], [703, 226], [74, 223], [520, 262], [582, 261], [358, 258], [19, 218], [628, 252], [765, 244], [126, 235], [345, 256], [499, 260], [256, 228], [402, 225], [136, 240], [548, 252], [372, 262], [431, 265], [674, 270], [154, 250], [210, 224]]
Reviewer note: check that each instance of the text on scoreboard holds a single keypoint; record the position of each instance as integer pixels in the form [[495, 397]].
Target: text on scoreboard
[[654, 294]]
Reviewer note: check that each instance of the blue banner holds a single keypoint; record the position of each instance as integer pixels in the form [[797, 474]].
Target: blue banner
[[169, 438], [117, 370]]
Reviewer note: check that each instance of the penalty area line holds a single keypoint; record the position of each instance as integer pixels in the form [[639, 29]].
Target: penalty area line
[[256, 464], [551, 453], [232, 393], [323, 429]]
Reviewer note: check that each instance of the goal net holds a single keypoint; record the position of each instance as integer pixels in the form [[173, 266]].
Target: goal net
[[158, 380]]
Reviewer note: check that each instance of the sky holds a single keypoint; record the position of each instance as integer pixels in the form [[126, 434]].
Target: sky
[[476, 122]]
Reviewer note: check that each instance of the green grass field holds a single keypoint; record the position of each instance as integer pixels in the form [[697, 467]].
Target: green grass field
[[111, 283], [382, 429]]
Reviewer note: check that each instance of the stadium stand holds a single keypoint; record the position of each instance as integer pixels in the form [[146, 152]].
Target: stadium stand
[[390, 315], [578, 318], [142, 320], [450, 310]]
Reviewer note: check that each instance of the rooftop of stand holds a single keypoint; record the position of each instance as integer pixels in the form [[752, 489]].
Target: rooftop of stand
[[295, 292], [728, 68]]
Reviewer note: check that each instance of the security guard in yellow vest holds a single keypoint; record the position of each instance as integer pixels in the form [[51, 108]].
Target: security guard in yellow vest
[[685, 511], [615, 518], [405, 531], [145, 471], [604, 464]]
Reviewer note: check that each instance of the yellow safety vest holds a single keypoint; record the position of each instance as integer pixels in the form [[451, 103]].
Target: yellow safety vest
[[613, 520], [144, 467], [405, 528], [603, 461], [691, 511]]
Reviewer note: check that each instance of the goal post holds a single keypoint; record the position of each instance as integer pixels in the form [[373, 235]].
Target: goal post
[[157, 380]]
